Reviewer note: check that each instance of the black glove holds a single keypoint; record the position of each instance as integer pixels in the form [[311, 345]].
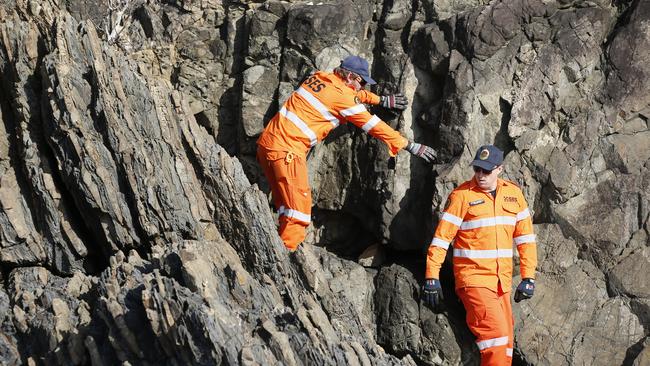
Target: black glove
[[422, 151], [432, 293], [525, 289], [395, 101]]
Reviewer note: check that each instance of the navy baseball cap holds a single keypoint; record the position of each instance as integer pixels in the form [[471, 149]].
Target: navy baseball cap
[[359, 66], [488, 157]]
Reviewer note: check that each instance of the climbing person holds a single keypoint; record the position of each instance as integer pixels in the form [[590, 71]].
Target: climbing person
[[484, 217], [322, 102]]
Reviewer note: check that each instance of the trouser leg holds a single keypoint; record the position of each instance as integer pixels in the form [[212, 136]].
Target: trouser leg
[[489, 317], [264, 162], [506, 304], [289, 183]]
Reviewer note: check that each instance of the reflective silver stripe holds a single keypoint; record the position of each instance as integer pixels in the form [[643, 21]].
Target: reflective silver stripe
[[452, 219], [494, 342], [483, 254], [318, 106], [489, 221], [300, 124], [440, 243], [294, 214], [509, 352], [522, 239], [372, 122], [353, 110], [523, 214]]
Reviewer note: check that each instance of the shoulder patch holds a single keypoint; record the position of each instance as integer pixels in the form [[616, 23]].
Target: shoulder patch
[[511, 183]]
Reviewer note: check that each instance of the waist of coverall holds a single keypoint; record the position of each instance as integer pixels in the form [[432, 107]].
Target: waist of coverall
[[271, 141], [280, 154]]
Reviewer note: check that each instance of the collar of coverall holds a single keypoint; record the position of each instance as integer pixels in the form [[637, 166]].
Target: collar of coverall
[[474, 186], [338, 81]]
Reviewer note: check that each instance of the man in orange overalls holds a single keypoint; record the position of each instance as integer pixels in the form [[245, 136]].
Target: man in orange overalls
[[321, 103], [484, 217]]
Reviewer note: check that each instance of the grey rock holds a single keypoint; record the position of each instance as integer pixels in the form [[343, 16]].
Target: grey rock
[[617, 150], [40, 227], [406, 325], [628, 67], [323, 28], [555, 253], [628, 277], [549, 321], [617, 220], [259, 85], [9, 353], [133, 229], [373, 256], [50, 322]]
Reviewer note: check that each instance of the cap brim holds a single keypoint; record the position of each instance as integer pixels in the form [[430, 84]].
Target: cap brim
[[483, 164], [369, 80]]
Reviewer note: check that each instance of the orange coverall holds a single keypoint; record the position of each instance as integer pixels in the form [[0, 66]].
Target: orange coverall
[[484, 229], [321, 103]]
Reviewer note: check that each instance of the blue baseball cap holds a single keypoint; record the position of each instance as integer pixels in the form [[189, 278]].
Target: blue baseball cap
[[359, 66], [488, 157]]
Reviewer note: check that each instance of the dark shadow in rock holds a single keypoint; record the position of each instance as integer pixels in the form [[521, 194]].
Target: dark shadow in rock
[[503, 140], [227, 134], [634, 351], [413, 264], [229, 116], [341, 233]]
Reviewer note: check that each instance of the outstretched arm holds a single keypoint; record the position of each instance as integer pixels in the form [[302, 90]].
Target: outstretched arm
[[359, 116]]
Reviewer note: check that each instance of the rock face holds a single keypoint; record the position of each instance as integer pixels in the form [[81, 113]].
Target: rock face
[[134, 221]]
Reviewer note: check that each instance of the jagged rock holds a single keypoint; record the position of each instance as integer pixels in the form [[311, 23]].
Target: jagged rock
[[201, 307], [616, 219], [571, 296], [555, 253], [628, 277], [627, 66], [260, 81], [9, 353], [407, 326], [51, 322], [598, 346], [373, 256], [133, 231], [38, 221]]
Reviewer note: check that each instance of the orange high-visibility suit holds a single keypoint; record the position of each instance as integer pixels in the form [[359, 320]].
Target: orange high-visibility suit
[[321, 103], [483, 229]]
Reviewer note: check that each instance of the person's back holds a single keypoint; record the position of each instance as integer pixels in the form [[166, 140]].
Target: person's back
[[320, 104]]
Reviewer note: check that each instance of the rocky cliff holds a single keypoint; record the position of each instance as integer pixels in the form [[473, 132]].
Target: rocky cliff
[[135, 225]]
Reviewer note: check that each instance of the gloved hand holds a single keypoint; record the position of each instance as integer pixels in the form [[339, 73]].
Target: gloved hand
[[432, 293], [422, 151], [525, 289], [395, 101]]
